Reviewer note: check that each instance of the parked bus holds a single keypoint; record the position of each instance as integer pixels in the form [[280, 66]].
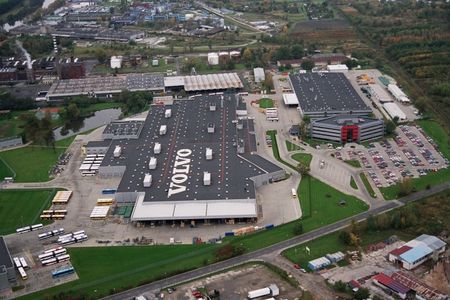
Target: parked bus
[[63, 272], [60, 211], [46, 217], [23, 229], [45, 256], [105, 201], [17, 262], [23, 262], [63, 258], [23, 274], [59, 252], [36, 227], [49, 262], [53, 249]]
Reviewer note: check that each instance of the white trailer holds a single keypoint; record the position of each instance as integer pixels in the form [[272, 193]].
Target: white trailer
[[152, 163], [117, 151], [163, 130], [209, 154], [17, 262], [147, 180], [23, 262], [258, 293], [167, 113], [157, 148], [206, 178]]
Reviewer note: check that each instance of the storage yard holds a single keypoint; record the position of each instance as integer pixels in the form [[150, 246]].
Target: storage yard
[[236, 284]]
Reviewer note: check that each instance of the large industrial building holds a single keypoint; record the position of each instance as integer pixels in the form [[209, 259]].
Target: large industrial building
[[7, 272], [347, 129], [326, 94], [188, 160]]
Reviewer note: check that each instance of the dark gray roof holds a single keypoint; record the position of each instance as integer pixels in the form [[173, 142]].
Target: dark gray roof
[[326, 92], [104, 143], [119, 128], [187, 129], [262, 163], [5, 258], [346, 119]]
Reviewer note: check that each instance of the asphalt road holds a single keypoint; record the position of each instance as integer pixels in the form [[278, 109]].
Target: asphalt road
[[279, 247]]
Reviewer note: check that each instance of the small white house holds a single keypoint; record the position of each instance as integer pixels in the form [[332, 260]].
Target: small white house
[[116, 62], [259, 74]]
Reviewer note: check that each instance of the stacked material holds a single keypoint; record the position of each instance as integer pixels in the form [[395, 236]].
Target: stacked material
[[99, 212], [62, 197]]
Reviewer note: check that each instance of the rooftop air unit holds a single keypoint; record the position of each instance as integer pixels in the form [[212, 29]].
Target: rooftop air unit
[[209, 154], [168, 113], [117, 151], [147, 180], [163, 130], [157, 148], [152, 163], [210, 127], [206, 178], [212, 107]]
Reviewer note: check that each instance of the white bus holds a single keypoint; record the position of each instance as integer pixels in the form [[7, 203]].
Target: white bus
[[53, 249], [23, 229], [63, 258], [36, 227], [23, 262], [23, 274], [294, 193], [59, 252], [45, 256], [49, 262], [17, 262]]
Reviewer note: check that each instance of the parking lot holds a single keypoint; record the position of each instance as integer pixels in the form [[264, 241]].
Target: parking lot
[[411, 153]]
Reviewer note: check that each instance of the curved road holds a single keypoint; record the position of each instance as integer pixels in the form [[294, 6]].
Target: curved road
[[276, 248]]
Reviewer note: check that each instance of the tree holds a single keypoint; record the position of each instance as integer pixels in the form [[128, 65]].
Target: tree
[[390, 127], [371, 223], [340, 286], [101, 55], [247, 55], [209, 44], [362, 293], [302, 168], [307, 64], [72, 111], [268, 81], [297, 51], [228, 251], [350, 63], [298, 228], [345, 237], [405, 187]]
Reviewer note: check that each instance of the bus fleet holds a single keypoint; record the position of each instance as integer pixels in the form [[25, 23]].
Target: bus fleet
[[29, 228]]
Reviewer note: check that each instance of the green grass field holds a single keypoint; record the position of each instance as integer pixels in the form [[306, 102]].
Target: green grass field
[[106, 269], [11, 125], [367, 185], [320, 202], [353, 183], [32, 163], [5, 171], [19, 208], [265, 103], [292, 147], [353, 162], [303, 157], [440, 136]]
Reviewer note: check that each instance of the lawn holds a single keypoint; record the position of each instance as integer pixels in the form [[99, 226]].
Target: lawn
[[106, 269], [353, 183], [320, 203], [86, 111], [367, 185], [303, 157], [19, 208], [11, 125], [265, 103], [293, 147], [5, 171], [275, 150], [32, 163], [440, 136], [353, 162]]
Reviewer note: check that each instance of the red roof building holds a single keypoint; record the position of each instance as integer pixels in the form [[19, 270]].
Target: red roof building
[[386, 282], [399, 251]]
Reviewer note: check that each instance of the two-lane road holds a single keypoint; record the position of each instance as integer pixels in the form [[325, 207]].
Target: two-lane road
[[278, 248]]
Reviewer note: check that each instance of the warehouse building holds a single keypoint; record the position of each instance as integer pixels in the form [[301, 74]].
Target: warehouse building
[[7, 272], [347, 129], [379, 93], [417, 251], [194, 160], [260, 76], [394, 111], [200, 83], [327, 94]]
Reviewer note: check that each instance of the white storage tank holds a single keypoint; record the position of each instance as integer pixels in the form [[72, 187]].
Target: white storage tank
[[117, 151], [147, 180], [157, 148], [168, 113], [206, 178], [152, 163], [163, 130], [209, 154]]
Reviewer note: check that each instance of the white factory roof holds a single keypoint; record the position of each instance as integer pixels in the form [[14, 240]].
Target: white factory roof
[[290, 99], [394, 110], [380, 93], [217, 81], [337, 68], [258, 72], [178, 210], [398, 93]]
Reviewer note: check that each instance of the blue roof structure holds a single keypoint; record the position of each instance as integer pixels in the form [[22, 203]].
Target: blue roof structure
[[416, 254]]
